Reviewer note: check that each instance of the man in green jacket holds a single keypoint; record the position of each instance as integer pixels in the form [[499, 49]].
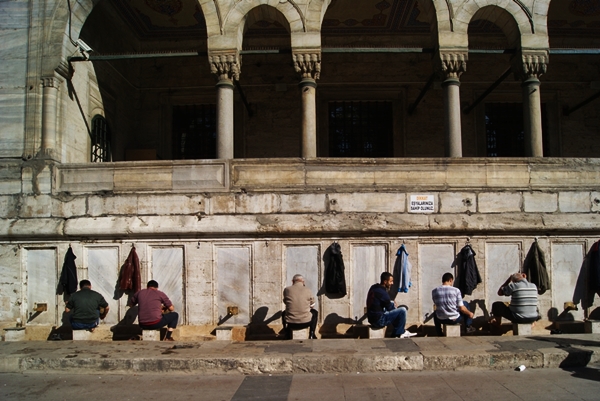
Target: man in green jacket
[[87, 307]]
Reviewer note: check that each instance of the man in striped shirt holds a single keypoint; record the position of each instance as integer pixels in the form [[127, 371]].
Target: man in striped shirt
[[450, 308], [523, 301]]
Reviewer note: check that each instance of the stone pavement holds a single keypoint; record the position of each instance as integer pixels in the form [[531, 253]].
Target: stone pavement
[[302, 356]]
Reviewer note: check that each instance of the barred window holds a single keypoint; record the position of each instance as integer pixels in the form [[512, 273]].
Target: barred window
[[100, 140], [195, 131], [361, 129], [505, 136]]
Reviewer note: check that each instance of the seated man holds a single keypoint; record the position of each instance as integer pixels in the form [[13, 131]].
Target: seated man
[[87, 307], [299, 310], [152, 304], [381, 310], [523, 301], [449, 306]]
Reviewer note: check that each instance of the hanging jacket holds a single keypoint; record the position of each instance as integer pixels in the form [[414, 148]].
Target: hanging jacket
[[68, 276], [335, 281], [594, 270], [402, 273], [130, 277], [468, 275], [535, 268]]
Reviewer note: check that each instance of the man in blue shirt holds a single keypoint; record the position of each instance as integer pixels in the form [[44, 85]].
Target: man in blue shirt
[[381, 310]]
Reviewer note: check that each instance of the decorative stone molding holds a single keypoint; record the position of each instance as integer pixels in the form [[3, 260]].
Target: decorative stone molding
[[452, 64], [226, 65], [530, 64], [308, 64], [51, 82]]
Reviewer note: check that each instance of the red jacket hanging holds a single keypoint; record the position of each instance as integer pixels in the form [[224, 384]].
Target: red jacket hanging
[[130, 277]]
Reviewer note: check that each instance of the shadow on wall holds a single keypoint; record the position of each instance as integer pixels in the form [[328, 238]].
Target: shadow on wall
[[259, 325], [330, 323]]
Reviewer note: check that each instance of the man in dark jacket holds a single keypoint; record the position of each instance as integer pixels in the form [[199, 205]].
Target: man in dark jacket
[[87, 307], [381, 310]]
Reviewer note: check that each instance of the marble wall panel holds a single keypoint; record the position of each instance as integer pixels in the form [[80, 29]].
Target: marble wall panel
[[434, 261], [233, 282], [502, 260], [303, 260], [42, 280], [197, 178], [103, 273], [167, 269], [12, 122], [567, 260], [368, 262]]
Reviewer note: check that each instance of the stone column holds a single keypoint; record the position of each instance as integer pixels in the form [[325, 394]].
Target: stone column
[[227, 68], [49, 114], [529, 67], [452, 65], [308, 65]]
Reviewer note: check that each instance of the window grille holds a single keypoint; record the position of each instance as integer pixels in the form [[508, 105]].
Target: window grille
[[504, 129], [361, 129], [100, 140], [195, 131]]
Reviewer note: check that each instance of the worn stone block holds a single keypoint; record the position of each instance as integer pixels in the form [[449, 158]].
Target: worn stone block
[[457, 202], [84, 179], [368, 202], [257, 203], [499, 202], [199, 178], [170, 204], [540, 202], [112, 205], [574, 202], [303, 203]]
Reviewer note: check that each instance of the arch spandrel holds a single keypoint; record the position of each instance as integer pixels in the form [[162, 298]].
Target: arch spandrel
[[58, 46]]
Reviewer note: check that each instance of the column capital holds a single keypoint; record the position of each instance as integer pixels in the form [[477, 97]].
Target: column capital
[[307, 63], [451, 64], [530, 64], [226, 65], [51, 82]]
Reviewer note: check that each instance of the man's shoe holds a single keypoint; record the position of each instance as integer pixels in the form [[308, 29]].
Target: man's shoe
[[471, 330], [407, 334], [312, 336], [169, 339]]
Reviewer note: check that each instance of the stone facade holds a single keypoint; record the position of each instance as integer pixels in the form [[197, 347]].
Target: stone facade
[[232, 231]]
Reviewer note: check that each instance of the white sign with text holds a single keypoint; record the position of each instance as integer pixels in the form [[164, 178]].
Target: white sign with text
[[421, 204]]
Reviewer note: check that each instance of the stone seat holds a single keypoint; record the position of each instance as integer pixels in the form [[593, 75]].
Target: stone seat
[[451, 330], [151, 335], [223, 333], [522, 329], [82, 335], [592, 326], [14, 334]]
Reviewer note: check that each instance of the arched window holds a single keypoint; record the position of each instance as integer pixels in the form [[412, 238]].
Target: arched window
[[100, 140]]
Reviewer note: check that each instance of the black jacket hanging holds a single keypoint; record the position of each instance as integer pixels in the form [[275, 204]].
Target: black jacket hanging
[[335, 281], [535, 268], [594, 270], [68, 276], [468, 274]]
